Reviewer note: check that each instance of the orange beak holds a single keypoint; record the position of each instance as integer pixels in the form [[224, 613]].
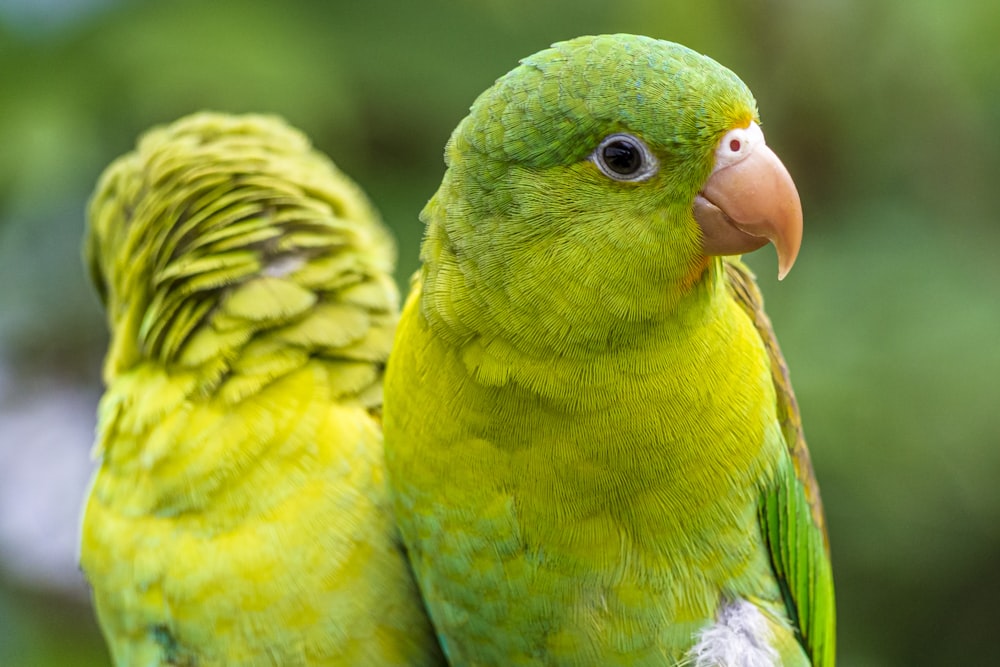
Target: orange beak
[[748, 200]]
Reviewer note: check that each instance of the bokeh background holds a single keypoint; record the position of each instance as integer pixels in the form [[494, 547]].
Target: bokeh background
[[887, 114]]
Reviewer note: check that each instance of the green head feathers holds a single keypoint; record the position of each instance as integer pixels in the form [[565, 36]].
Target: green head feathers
[[523, 206], [219, 230], [559, 103]]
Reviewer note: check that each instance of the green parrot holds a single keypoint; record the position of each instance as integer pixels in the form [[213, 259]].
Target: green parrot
[[239, 515], [594, 452]]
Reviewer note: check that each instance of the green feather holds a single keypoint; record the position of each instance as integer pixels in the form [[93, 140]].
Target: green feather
[[239, 515]]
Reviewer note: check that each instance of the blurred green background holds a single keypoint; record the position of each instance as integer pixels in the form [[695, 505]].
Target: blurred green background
[[886, 113]]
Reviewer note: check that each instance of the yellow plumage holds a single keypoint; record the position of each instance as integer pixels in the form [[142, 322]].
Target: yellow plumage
[[239, 514]]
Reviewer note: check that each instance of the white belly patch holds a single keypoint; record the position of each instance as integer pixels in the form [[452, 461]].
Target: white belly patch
[[740, 637]]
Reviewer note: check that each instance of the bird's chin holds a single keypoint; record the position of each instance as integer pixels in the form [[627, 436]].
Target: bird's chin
[[721, 235]]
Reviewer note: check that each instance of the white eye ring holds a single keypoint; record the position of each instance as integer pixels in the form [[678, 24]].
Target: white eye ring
[[625, 157], [736, 144]]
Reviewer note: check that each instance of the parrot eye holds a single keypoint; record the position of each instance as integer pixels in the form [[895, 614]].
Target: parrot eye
[[624, 157]]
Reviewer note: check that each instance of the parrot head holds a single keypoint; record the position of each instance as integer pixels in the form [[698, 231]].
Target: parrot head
[[616, 166], [212, 205]]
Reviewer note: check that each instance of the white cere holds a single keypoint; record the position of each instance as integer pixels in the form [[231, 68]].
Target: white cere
[[736, 144]]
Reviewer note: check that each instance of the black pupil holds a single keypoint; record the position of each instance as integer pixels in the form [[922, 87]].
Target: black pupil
[[622, 157]]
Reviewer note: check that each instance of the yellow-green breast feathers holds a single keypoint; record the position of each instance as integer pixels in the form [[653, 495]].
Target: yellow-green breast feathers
[[239, 514]]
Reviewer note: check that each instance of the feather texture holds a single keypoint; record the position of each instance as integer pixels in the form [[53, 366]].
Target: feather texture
[[239, 514]]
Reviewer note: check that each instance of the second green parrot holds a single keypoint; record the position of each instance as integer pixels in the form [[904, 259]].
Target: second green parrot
[[239, 515], [594, 451]]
